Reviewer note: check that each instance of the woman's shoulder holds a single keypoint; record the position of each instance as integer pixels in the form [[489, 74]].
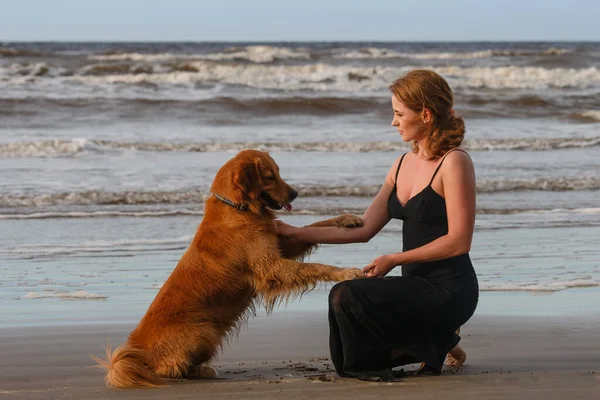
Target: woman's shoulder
[[457, 159], [456, 154]]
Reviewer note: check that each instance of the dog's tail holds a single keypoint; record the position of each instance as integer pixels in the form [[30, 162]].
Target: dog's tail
[[127, 368]]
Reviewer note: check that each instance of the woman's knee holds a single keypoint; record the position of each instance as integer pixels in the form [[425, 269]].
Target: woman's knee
[[339, 295]]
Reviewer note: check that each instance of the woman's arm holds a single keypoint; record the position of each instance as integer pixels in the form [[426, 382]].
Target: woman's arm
[[374, 219], [458, 180]]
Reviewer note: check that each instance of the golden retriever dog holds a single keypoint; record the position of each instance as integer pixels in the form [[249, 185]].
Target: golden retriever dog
[[235, 262]]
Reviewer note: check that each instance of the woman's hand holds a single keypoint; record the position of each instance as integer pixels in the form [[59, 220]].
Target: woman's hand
[[284, 229], [381, 266]]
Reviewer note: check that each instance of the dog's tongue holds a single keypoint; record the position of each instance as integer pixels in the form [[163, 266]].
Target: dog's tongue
[[288, 207]]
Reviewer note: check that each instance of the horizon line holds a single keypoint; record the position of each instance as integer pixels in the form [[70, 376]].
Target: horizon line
[[300, 41]]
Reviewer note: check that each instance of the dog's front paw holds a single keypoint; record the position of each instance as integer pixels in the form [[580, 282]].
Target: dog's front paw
[[348, 221], [352, 273]]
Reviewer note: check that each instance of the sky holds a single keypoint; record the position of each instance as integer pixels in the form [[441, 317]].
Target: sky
[[299, 20]]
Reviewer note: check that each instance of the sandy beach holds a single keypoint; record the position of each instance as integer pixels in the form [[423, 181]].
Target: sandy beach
[[285, 356]]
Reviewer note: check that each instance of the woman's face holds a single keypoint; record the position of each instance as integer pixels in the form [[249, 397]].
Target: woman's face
[[408, 122]]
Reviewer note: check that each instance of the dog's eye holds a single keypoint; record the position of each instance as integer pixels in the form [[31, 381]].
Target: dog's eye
[[270, 177]]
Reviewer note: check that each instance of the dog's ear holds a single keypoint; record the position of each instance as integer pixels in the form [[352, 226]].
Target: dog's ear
[[248, 179]]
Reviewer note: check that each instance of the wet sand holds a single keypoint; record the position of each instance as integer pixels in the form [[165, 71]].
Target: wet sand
[[286, 356]]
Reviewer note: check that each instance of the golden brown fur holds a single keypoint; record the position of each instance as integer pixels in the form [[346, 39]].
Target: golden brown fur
[[235, 261]]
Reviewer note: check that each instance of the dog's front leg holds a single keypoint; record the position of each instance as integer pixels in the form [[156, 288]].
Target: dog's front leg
[[296, 250], [341, 221], [285, 279]]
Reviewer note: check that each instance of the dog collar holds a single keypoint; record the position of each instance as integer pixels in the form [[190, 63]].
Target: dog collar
[[240, 207]]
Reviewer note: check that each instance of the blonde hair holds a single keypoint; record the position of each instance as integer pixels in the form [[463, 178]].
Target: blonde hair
[[420, 89]]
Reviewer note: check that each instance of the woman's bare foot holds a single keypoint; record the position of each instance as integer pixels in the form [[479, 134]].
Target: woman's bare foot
[[456, 357]]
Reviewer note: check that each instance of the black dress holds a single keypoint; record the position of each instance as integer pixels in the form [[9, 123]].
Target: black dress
[[380, 323]]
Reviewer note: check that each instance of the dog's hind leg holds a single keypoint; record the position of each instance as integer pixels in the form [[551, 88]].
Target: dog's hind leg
[[170, 370], [201, 371], [203, 354]]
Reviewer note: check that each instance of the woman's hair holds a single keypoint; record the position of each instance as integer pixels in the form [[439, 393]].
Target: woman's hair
[[421, 89]]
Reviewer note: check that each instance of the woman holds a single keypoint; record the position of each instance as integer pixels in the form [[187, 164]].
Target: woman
[[383, 322]]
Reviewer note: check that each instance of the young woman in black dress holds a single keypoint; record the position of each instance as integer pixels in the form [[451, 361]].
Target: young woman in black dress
[[383, 322]]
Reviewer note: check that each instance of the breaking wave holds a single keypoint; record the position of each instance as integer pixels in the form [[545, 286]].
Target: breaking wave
[[269, 54], [314, 77], [316, 210], [382, 53], [196, 196], [78, 295], [18, 52], [538, 287], [264, 54], [68, 148], [94, 197]]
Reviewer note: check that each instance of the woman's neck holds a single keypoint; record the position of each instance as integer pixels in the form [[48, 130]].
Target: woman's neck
[[422, 146]]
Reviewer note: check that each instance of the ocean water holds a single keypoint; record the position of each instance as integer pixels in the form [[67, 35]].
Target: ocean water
[[107, 151]]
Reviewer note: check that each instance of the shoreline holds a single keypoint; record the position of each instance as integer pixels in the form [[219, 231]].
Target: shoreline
[[577, 303]]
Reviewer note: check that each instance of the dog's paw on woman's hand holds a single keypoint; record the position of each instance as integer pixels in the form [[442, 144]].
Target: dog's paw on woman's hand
[[348, 221]]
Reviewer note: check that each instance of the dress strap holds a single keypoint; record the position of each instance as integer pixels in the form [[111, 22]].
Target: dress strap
[[443, 158], [398, 170]]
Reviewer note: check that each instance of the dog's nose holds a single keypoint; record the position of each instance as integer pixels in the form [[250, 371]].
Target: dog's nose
[[293, 194]]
